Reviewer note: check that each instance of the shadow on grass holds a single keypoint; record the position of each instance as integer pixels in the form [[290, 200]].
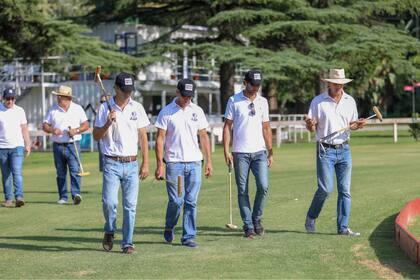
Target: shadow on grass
[[383, 242]]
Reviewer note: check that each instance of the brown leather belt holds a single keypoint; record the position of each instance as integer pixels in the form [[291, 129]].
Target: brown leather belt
[[336, 146], [122, 159]]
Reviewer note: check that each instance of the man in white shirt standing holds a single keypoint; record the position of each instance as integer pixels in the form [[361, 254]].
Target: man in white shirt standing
[[14, 139], [180, 124], [247, 114], [66, 121], [330, 112], [121, 127]]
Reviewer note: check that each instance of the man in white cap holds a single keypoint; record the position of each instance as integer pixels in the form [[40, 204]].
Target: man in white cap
[[121, 127], [330, 112], [66, 121], [180, 125], [248, 116], [14, 139]]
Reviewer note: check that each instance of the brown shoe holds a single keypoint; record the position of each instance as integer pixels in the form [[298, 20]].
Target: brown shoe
[[19, 202], [128, 250], [108, 241], [7, 203]]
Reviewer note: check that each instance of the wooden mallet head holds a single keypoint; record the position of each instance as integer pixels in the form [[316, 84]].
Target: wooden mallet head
[[377, 113]]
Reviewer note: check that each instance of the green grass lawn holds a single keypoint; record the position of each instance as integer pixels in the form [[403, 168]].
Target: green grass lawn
[[46, 240]]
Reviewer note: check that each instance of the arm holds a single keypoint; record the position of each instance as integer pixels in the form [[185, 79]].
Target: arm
[[144, 168], [26, 138], [99, 132], [268, 139], [47, 128], [160, 138], [227, 135], [205, 146], [310, 124], [83, 127]]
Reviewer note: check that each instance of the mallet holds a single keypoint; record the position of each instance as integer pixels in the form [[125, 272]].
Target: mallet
[[230, 225], [98, 80], [179, 186], [377, 114], [82, 173]]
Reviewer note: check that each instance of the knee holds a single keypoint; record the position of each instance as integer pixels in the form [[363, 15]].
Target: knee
[[323, 193], [109, 203], [175, 203]]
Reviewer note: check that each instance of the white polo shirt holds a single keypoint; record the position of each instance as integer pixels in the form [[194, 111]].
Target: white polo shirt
[[57, 117], [121, 138], [332, 116], [10, 126], [247, 125], [182, 126]]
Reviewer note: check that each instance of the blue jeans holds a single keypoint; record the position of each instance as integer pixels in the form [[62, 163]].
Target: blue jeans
[[191, 184], [101, 157], [11, 161], [126, 174], [257, 163], [328, 161], [65, 156]]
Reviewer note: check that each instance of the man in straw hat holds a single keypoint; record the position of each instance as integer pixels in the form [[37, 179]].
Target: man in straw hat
[[14, 140], [329, 113], [66, 121]]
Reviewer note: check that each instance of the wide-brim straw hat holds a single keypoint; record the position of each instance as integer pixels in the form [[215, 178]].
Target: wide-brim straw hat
[[337, 76], [63, 91]]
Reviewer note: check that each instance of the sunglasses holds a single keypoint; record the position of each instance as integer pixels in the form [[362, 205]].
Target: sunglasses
[[9, 98], [251, 107]]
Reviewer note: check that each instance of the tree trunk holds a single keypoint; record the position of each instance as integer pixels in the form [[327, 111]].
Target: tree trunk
[[272, 97], [227, 82]]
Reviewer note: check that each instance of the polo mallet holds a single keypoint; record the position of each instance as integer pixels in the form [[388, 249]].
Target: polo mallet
[[82, 173], [179, 184], [230, 225], [377, 114], [98, 80]]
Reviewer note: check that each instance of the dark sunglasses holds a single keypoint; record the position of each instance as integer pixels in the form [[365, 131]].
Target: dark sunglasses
[[9, 98], [251, 107]]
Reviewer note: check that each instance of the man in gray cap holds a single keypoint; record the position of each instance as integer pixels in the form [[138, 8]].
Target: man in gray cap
[[180, 124], [14, 140], [247, 115]]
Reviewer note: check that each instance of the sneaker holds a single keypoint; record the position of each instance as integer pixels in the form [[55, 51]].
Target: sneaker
[[7, 203], [258, 228], [108, 241], [189, 243], [348, 232], [77, 199], [62, 201], [310, 225], [128, 250], [168, 234], [19, 202], [249, 232]]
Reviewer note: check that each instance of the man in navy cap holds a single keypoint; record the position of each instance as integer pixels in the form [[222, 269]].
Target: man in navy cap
[[14, 140], [247, 113], [121, 127], [180, 124]]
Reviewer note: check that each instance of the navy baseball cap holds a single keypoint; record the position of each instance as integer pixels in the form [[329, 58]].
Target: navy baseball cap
[[125, 82], [254, 77], [9, 92], [186, 87]]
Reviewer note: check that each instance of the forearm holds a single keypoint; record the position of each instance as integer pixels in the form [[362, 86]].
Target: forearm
[[268, 139], [47, 128], [99, 132], [83, 127], [227, 135], [159, 150], [25, 134], [144, 146], [205, 146]]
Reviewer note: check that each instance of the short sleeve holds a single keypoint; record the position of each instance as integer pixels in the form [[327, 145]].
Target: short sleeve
[[48, 117], [101, 117], [203, 123], [162, 120], [143, 119], [313, 111], [355, 113], [82, 115], [230, 112]]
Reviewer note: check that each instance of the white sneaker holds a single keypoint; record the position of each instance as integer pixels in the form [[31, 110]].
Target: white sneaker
[[349, 232], [62, 201], [77, 199]]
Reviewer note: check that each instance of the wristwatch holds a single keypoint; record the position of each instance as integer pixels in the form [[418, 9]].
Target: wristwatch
[[77, 130]]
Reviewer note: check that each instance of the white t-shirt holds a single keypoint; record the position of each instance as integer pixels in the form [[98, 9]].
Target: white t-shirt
[[182, 126], [121, 138], [332, 116], [10, 126], [58, 118], [247, 122]]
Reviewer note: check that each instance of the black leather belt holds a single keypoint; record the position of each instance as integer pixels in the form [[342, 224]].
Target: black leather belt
[[334, 146], [122, 159], [64, 143]]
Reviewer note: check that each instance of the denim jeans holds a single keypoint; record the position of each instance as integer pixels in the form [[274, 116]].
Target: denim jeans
[[126, 174], [101, 157], [65, 156], [11, 161], [328, 161], [257, 163], [190, 173]]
